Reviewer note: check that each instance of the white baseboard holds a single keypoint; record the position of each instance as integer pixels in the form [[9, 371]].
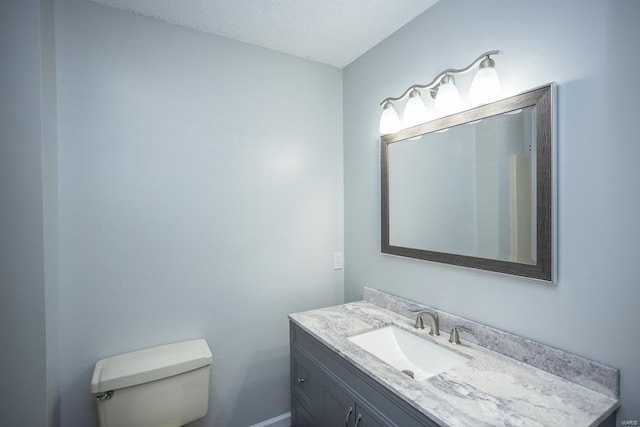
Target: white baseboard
[[283, 420]]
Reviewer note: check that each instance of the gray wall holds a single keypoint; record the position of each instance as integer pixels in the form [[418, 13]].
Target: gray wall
[[200, 195], [589, 51], [28, 365]]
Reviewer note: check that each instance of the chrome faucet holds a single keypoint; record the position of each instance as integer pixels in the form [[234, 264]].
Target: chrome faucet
[[433, 317]]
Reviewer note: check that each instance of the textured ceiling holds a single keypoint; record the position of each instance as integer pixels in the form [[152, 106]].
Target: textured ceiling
[[333, 32]]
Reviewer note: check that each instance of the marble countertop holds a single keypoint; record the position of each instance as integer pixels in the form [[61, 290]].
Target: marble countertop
[[491, 389]]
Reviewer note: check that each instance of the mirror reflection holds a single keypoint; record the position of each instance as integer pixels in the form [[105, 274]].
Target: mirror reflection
[[468, 190]]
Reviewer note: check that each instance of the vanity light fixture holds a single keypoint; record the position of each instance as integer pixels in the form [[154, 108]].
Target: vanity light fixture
[[447, 98], [485, 88], [415, 112], [389, 121]]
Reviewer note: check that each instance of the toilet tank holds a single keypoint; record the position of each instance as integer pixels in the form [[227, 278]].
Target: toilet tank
[[165, 386]]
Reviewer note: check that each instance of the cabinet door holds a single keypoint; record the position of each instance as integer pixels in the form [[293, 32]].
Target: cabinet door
[[300, 417], [337, 406], [306, 380]]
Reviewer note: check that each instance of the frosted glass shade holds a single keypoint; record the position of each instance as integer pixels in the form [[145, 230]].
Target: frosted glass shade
[[389, 120], [447, 100], [415, 111], [485, 87]]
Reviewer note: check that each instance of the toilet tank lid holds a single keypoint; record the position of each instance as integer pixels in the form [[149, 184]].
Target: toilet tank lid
[[139, 367]]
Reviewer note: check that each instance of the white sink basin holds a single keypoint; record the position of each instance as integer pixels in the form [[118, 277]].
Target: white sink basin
[[407, 352]]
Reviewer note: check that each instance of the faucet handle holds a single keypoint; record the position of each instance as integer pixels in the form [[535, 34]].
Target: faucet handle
[[454, 337], [419, 320]]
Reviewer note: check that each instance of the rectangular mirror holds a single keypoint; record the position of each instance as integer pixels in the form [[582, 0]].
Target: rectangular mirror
[[475, 188]]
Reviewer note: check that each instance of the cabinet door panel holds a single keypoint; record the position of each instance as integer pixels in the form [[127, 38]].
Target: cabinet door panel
[[306, 380], [337, 406], [300, 417]]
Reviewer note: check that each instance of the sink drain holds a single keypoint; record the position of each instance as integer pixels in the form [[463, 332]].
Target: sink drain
[[408, 372]]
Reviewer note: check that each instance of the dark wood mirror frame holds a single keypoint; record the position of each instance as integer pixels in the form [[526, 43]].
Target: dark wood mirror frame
[[543, 99]]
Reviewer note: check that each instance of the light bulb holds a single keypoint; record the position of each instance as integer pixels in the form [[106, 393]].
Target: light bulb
[[389, 120], [485, 87], [447, 99], [415, 112]]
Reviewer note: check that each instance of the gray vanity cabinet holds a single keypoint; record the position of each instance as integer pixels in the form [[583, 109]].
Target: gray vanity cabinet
[[327, 390]]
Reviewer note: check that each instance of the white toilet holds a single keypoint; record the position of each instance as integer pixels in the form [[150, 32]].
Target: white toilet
[[166, 386]]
